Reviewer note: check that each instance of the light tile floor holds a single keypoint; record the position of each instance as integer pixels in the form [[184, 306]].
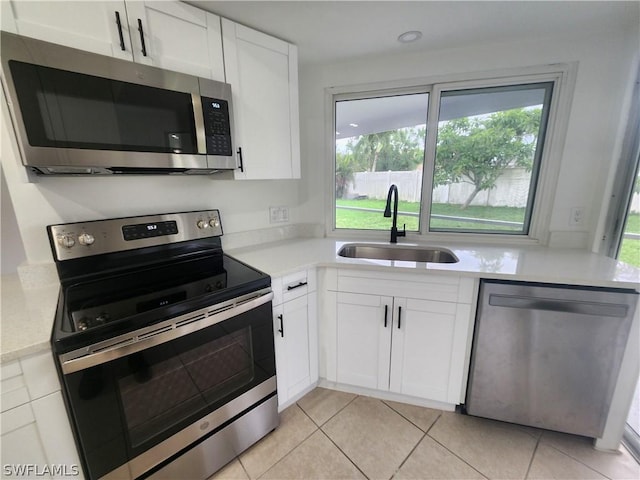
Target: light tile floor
[[336, 435]]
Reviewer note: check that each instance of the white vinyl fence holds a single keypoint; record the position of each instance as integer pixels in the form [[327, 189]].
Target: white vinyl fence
[[511, 188]]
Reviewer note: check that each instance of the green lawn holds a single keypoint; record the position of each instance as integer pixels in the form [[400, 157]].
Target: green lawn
[[629, 251], [630, 248], [375, 220]]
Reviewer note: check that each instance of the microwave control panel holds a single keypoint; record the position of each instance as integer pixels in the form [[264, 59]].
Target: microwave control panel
[[217, 126]]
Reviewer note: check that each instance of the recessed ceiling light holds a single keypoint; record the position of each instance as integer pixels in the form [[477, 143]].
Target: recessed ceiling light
[[353, 125], [411, 36]]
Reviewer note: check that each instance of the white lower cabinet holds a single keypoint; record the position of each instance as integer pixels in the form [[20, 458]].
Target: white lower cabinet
[[416, 347], [36, 432], [296, 337]]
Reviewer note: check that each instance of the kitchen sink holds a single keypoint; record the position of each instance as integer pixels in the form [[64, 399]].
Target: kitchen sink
[[406, 253]]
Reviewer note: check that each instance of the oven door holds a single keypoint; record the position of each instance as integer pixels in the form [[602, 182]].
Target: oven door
[[128, 402]]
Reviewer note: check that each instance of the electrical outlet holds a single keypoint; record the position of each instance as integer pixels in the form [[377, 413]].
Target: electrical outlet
[[576, 218], [279, 214]]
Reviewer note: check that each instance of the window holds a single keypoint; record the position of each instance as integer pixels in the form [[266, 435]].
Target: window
[[379, 142], [486, 164], [472, 167]]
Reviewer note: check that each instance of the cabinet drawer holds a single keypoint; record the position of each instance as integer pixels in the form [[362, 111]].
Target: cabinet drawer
[[443, 288], [292, 286], [298, 284]]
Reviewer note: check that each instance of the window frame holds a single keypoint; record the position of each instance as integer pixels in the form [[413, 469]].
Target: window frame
[[390, 92], [563, 77]]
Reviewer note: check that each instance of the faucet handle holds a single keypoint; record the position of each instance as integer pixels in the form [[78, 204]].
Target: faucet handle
[[403, 233]]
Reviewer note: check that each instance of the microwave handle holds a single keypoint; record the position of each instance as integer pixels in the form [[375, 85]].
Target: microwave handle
[[201, 139], [241, 165]]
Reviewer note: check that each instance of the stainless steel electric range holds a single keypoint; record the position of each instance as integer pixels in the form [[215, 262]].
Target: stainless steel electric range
[[163, 344]]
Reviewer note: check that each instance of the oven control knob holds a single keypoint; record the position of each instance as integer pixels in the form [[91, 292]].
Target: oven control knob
[[86, 239], [214, 223], [203, 224], [67, 241]]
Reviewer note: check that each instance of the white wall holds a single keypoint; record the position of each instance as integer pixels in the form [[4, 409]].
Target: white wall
[[244, 205], [604, 77], [12, 252]]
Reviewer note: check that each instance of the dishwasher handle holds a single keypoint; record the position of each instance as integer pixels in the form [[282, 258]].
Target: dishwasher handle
[[555, 305]]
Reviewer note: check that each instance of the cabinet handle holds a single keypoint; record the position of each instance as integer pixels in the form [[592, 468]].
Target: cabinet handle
[[293, 287], [241, 167], [281, 329], [144, 48], [119, 24], [386, 313], [399, 316]]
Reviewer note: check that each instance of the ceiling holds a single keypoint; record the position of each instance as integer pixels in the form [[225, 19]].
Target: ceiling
[[332, 31]]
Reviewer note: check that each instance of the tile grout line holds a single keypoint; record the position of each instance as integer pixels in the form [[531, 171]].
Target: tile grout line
[[344, 453], [319, 429], [412, 423], [331, 417], [286, 454], [331, 440], [425, 432], [576, 459], [242, 467], [290, 451], [451, 451], [533, 456], [409, 454]]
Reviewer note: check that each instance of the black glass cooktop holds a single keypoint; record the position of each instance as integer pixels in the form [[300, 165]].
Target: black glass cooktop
[[145, 296]]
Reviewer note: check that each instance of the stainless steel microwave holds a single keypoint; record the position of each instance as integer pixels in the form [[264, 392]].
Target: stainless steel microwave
[[76, 112]]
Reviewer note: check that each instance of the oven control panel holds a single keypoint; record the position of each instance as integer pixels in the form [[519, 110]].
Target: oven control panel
[[83, 239]]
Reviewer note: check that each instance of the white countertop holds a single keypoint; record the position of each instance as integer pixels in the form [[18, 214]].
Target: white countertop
[[535, 264], [28, 307], [27, 317]]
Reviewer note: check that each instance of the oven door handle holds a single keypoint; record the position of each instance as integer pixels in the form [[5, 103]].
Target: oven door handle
[[160, 333]]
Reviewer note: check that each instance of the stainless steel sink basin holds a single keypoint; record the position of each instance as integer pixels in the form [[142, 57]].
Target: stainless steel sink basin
[[407, 253]]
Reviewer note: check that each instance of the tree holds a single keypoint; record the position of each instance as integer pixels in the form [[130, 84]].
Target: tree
[[477, 150], [397, 150], [344, 173], [367, 149], [404, 151]]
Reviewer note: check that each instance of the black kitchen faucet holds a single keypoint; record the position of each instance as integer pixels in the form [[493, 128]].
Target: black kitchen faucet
[[387, 213]]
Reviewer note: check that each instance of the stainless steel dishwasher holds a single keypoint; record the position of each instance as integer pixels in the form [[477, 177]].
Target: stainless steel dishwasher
[[548, 356]]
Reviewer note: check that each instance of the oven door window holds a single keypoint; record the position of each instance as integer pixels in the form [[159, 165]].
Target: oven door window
[[157, 393], [71, 110], [126, 406]]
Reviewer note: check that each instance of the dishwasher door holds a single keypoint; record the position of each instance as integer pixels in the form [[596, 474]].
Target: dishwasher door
[[548, 356]]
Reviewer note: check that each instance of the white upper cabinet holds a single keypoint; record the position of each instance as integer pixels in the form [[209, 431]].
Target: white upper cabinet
[[176, 36], [263, 73], [90, 26]]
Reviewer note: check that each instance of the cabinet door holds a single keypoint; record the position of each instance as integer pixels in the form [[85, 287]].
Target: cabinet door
[[263, 73], [176, 37], [86, 25], [363, 340], [293, 366], [421, 353], [281, 354]]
